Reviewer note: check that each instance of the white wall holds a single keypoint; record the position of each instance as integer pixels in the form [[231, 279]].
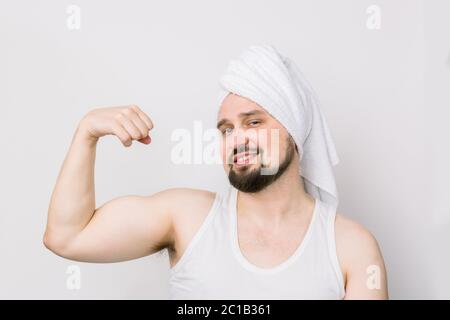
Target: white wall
[[385, 94]]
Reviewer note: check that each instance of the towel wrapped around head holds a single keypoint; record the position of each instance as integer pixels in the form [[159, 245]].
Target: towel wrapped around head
[[263, 75]]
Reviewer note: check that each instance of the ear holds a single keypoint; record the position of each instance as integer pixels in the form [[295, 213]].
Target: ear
[[293, 141]]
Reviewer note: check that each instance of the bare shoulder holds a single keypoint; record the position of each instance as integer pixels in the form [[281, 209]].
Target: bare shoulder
[[353, 234], [358, 253], [183, 204], [181, 201]]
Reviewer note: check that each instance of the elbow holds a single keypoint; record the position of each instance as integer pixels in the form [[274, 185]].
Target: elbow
[[47, 241], [50, 242], [55, 244]]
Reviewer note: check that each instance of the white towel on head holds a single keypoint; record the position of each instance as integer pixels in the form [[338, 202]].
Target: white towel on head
[[273, 81]]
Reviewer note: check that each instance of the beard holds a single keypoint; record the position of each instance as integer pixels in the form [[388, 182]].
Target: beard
[[253, 181]]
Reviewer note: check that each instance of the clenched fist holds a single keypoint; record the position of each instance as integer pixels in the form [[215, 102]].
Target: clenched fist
[[128, 123]]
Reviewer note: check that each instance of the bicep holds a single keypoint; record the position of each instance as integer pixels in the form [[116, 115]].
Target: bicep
[[124, 228]]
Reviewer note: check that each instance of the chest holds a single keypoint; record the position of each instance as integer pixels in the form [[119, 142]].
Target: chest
[[269, 248]]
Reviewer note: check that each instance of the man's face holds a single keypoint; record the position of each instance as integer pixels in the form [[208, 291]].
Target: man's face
[[256, 148]]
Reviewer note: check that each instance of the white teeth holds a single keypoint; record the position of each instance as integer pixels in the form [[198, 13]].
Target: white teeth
[[243, 158]]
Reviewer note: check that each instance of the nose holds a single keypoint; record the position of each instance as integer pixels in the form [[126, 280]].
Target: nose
[[240, 138]]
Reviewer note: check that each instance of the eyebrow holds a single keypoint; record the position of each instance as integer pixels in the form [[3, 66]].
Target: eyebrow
[[240, 115]]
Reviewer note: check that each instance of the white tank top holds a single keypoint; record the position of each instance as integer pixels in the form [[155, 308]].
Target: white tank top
[[213, 266]]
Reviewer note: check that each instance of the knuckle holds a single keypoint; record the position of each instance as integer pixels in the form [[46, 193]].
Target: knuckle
[[135, 108], [143, 128], [128, 111], [118, 116]]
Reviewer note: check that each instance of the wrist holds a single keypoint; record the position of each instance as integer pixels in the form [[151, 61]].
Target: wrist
[[82, 133]]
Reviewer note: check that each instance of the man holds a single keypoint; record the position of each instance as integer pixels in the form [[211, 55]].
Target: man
[[274, 235]]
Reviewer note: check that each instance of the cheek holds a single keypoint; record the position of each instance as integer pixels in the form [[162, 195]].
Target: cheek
[[270, 141], [274, 148]]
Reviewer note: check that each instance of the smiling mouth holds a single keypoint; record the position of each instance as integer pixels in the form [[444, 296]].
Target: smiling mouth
[[243, 158]]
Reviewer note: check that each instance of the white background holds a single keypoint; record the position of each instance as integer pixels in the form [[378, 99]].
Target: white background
[[385, 94]]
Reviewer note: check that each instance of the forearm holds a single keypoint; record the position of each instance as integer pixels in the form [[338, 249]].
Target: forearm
[[72, 202]]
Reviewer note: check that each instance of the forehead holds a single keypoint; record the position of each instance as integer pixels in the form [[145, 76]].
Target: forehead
[[234, 104]]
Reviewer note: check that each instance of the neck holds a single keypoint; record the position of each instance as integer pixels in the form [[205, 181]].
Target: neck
[[280, 200]]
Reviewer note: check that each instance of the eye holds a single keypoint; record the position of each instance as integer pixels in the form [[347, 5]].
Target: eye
[[227, 131], [254, 122]]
